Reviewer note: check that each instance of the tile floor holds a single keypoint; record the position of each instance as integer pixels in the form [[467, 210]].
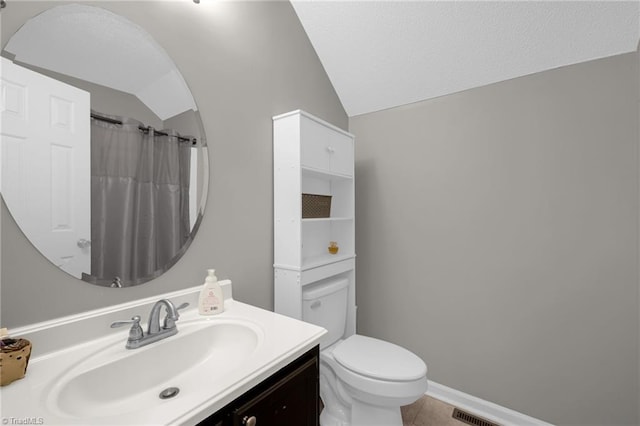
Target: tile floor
[[429, 411]]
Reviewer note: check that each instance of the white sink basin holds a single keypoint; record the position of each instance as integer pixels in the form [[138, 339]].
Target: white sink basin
[[79, 376], [113, 379]]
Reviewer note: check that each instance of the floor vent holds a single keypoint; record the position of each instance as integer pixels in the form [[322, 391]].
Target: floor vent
[[471, 419]]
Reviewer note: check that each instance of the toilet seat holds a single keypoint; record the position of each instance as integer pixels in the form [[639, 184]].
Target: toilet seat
[[355, 359], [378, 359]]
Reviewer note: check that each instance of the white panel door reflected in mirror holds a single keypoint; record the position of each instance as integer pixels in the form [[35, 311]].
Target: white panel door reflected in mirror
[[45, 162]]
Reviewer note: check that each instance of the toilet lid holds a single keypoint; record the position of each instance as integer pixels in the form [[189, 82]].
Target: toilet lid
[[379, 359]]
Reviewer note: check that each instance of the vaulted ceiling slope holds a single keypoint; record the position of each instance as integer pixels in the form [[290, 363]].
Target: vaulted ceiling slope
[[383, 54]]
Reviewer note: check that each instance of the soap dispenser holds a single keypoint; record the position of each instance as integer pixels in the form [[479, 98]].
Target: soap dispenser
[[211, 301]]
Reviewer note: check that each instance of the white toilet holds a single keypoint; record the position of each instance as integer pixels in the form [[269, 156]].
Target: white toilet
[[363, 381]]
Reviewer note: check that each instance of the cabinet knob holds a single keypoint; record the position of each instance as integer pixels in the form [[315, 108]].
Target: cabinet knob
[[249, 421], [330, 149]]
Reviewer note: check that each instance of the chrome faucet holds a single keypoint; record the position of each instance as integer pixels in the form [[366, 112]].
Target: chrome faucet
[[169, 320], [155, 332]]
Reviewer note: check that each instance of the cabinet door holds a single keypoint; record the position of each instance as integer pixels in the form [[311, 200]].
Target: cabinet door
[[314, 150], [325, 149], [291, 401], [340, 149]]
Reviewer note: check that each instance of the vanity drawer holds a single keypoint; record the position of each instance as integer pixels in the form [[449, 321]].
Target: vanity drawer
[[291, 401], [289, 397]]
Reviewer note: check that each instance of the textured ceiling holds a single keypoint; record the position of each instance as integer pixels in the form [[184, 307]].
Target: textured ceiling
[[382, 54], [99, 46]]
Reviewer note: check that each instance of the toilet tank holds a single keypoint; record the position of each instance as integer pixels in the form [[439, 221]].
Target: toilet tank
[[326, 305]]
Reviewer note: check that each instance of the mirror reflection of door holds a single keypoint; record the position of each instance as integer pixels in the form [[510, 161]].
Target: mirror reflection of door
[[45, 161], [129, 78]]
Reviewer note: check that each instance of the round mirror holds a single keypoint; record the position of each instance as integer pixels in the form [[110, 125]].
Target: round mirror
[[104, 158]]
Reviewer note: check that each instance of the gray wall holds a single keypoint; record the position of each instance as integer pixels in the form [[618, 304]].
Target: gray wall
[[244, 62], [497, 237]]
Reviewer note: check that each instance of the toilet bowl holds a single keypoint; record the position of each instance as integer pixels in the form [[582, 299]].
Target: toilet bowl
[[363, 381]]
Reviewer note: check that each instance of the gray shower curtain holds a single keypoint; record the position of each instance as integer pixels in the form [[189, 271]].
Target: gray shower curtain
[[139, 201]]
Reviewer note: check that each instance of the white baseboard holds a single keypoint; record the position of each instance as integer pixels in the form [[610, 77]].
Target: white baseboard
[[488, 410]]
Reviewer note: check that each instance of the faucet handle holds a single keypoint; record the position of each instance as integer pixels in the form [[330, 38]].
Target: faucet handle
[[170, 321], [182, 306], [135, 333]]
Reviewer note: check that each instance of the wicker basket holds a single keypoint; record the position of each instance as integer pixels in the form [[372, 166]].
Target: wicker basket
[[315, 206], [14, 358]]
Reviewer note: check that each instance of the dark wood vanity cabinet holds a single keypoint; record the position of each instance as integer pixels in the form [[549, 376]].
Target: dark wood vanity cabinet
[[289, 397]]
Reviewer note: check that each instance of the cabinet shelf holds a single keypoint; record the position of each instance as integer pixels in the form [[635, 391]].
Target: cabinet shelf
[[321, 260], [323, 174], [326, 219]]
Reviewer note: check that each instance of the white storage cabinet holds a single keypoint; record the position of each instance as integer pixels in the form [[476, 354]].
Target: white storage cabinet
[[315, 157]]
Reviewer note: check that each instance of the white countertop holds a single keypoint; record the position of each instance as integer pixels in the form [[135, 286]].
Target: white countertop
[[29, 400]]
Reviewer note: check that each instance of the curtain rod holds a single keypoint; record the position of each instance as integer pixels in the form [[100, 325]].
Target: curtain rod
[[193, 141]]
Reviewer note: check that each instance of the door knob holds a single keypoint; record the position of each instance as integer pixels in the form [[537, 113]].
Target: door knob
[[83, 244]]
